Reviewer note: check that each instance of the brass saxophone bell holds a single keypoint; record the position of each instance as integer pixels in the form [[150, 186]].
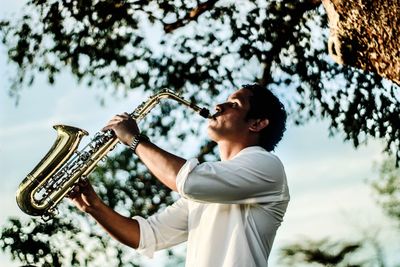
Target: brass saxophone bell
[[28, 193]]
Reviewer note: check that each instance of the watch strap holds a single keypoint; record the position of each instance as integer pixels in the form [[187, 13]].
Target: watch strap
[[137, 139]]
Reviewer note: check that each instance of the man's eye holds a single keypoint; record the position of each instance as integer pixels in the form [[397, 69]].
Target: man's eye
[[234, 105]]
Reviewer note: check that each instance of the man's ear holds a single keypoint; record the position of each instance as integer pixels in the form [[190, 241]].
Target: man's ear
[[258, 124]]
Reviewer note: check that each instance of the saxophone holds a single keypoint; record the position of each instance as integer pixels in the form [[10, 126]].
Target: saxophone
[[56, 174]]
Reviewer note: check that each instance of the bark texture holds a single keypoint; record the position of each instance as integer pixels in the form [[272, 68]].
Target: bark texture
[[365, 34]]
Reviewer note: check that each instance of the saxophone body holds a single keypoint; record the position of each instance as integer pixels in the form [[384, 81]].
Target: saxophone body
[[56, 174]]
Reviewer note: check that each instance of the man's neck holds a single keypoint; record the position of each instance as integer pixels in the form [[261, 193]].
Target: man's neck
[[228, 150]]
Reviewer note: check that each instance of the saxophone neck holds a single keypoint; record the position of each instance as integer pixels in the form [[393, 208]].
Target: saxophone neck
[[143, 109]]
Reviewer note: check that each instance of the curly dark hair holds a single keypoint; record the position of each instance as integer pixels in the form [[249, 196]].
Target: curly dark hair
[[264, 104]]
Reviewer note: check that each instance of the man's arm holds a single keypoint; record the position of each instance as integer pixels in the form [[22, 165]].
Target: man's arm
[[164, 165], [159, 231], [123, 229]]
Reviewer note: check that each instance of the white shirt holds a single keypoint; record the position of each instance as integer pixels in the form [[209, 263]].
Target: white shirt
[[229, 211]]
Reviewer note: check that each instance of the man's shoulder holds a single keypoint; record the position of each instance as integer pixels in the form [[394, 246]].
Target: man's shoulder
[[259, 153]]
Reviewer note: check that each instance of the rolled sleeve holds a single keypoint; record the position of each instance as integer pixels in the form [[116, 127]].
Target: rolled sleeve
[[255, 176], [147, 241], [164, 229]]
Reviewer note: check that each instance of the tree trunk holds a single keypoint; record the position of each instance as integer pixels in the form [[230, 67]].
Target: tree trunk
[[365, 34]]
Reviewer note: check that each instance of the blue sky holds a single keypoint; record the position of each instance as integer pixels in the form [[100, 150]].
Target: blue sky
[[330, 197]]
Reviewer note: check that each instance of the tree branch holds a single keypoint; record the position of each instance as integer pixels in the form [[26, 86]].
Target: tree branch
[[284, 36], [206, 149], [191, 16]]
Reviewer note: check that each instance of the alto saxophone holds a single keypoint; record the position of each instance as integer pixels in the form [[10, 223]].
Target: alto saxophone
[[56, 174]]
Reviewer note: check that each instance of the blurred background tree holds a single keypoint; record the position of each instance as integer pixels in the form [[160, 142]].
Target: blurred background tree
[[340, 253], [323, 253], [369, 250], [388, 189], [201, 49]]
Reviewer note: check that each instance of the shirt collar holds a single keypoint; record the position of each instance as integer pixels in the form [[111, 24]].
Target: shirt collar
[[250, 149]]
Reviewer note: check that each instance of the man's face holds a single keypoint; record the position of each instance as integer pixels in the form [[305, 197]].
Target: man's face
[[230, 120]]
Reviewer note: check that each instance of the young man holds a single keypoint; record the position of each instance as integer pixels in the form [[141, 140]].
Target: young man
[[230, 210]]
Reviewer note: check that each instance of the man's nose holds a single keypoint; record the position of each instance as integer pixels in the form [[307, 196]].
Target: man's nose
[[219, 108]]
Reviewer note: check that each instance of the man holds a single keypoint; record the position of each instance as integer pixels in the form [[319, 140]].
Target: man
[[230, 210]]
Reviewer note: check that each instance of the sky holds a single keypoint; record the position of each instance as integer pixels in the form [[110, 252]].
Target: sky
[[327, 177]]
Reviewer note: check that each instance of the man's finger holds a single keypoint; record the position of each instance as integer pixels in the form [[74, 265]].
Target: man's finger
[[75, 191]]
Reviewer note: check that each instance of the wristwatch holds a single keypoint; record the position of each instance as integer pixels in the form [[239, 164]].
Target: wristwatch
[[137, 139]]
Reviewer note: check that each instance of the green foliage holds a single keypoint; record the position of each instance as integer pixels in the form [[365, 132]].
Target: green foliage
[[59, 243], [26, 246], [206, 47]]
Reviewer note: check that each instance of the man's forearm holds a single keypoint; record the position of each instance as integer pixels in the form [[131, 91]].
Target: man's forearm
[[164, 165], [123, 229]]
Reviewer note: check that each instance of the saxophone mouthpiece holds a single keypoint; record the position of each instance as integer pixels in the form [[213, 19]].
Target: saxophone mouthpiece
[[205, 113]]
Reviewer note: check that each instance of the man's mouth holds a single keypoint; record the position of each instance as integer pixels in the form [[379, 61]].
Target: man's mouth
[[215, 115]]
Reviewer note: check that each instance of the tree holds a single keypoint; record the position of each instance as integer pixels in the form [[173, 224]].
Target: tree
[[326, 252], [201, 49], [366, 35], [204, 47]]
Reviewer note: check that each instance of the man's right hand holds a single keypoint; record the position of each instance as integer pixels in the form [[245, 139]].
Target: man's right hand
[[124, 127]]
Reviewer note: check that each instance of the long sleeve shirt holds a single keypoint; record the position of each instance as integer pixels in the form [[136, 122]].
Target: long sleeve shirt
[[228, 213]]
